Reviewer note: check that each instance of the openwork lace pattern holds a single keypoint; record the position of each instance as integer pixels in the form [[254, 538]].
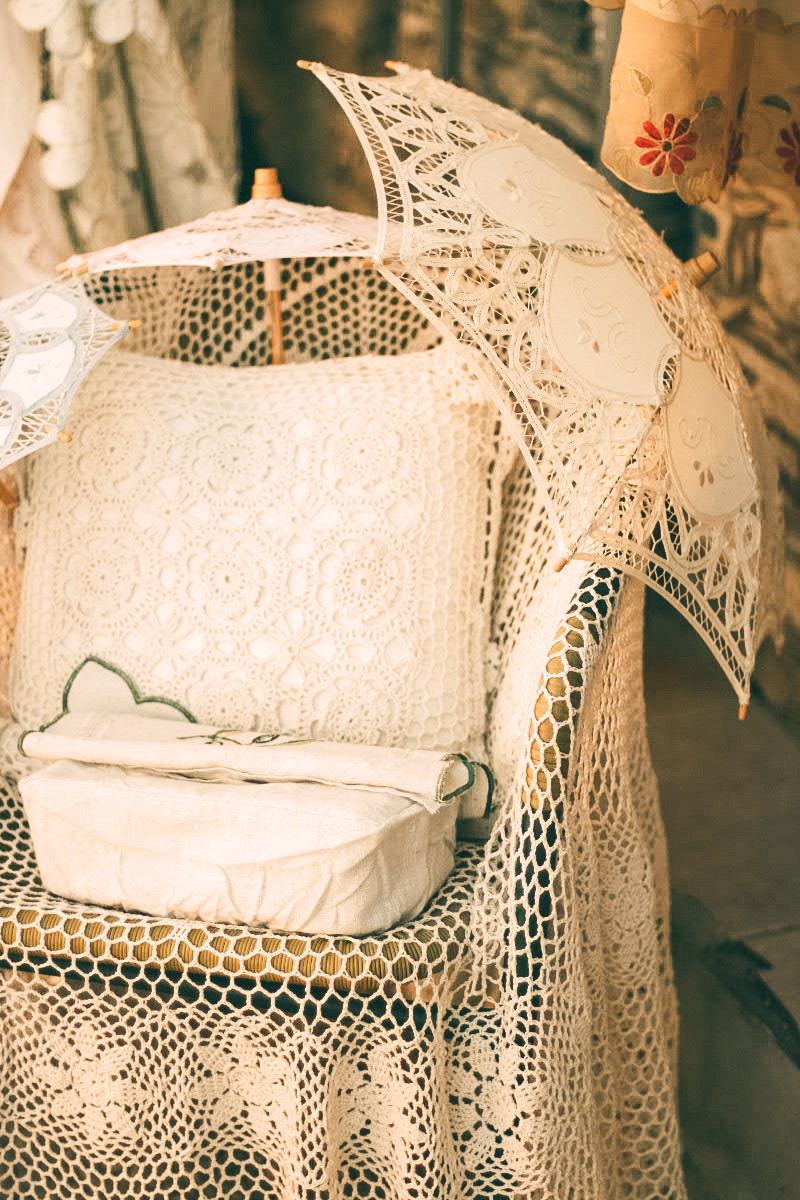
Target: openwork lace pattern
[[631, 477], [516, 1040], [298, 549], [331, 307]]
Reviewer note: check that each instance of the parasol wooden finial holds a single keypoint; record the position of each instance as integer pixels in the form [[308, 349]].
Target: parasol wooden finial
[[565, 558], [743, 711], [266, 185], [73, 266]]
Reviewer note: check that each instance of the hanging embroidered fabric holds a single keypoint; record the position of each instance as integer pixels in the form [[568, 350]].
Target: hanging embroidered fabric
[[706, 96]]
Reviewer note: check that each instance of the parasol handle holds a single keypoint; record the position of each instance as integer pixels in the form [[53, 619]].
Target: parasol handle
[[266, 186]]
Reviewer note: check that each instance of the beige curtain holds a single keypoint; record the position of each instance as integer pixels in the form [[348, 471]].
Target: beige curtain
[[116, 118], [706, 96]]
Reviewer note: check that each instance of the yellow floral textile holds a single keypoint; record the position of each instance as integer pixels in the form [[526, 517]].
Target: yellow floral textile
[[705, 96]]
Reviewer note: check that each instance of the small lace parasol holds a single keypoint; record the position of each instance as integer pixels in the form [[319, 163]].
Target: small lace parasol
[[266, 229], [50, 339], [263, 229]]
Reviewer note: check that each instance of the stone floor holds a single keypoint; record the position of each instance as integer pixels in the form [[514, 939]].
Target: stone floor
[[730, 794]]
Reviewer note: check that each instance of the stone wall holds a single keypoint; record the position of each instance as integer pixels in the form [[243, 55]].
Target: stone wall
[[538, 56]]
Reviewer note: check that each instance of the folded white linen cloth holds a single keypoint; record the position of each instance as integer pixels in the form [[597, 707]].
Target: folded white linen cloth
[[301, 856], [428, 777]]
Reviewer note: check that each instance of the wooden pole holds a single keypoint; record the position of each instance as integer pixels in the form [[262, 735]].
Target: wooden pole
[[266, 186]]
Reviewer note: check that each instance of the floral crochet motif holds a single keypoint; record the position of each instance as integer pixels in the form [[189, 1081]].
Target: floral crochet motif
[[670, 150], [87, 1083], [790, 151], [241, 1084]]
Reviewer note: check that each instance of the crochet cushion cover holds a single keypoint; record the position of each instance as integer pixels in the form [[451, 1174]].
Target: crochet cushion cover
[[302, 549]]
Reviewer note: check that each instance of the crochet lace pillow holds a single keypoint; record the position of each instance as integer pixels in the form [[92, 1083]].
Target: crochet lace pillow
[[302, 549]]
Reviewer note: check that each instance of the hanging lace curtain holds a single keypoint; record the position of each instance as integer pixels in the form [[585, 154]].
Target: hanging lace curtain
[[706, 96], [116, 118]]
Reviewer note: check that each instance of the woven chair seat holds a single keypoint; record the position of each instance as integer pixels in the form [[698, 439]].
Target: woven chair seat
[[517, 1038], [47, 929]]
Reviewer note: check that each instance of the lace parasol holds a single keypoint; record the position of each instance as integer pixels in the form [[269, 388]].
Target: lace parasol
[[50, 339], [612, 369]]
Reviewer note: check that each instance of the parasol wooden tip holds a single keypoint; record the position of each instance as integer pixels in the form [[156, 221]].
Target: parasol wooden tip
[[266, 185], [63, 436], [698, 271], [74, 269], [562, 562], [305, 65], [743, 711], [392, 64], [135, 324], [701, 268]]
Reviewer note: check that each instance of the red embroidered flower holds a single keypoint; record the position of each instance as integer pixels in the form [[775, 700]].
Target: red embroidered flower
[[734, 156], [670, 150], [790, 151]]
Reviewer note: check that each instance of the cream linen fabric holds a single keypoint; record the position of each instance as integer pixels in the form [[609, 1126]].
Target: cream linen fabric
[[426, 777], [301, 856], [302, 550]]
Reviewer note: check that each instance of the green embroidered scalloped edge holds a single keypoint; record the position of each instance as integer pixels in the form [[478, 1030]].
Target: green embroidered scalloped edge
[[136, 695]]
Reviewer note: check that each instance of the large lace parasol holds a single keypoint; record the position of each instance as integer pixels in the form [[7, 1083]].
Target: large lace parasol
[[50, 339], [612, 369]]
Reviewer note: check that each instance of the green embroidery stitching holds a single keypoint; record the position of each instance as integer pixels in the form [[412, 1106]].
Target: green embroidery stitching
[[137, 696], [220, 736]]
